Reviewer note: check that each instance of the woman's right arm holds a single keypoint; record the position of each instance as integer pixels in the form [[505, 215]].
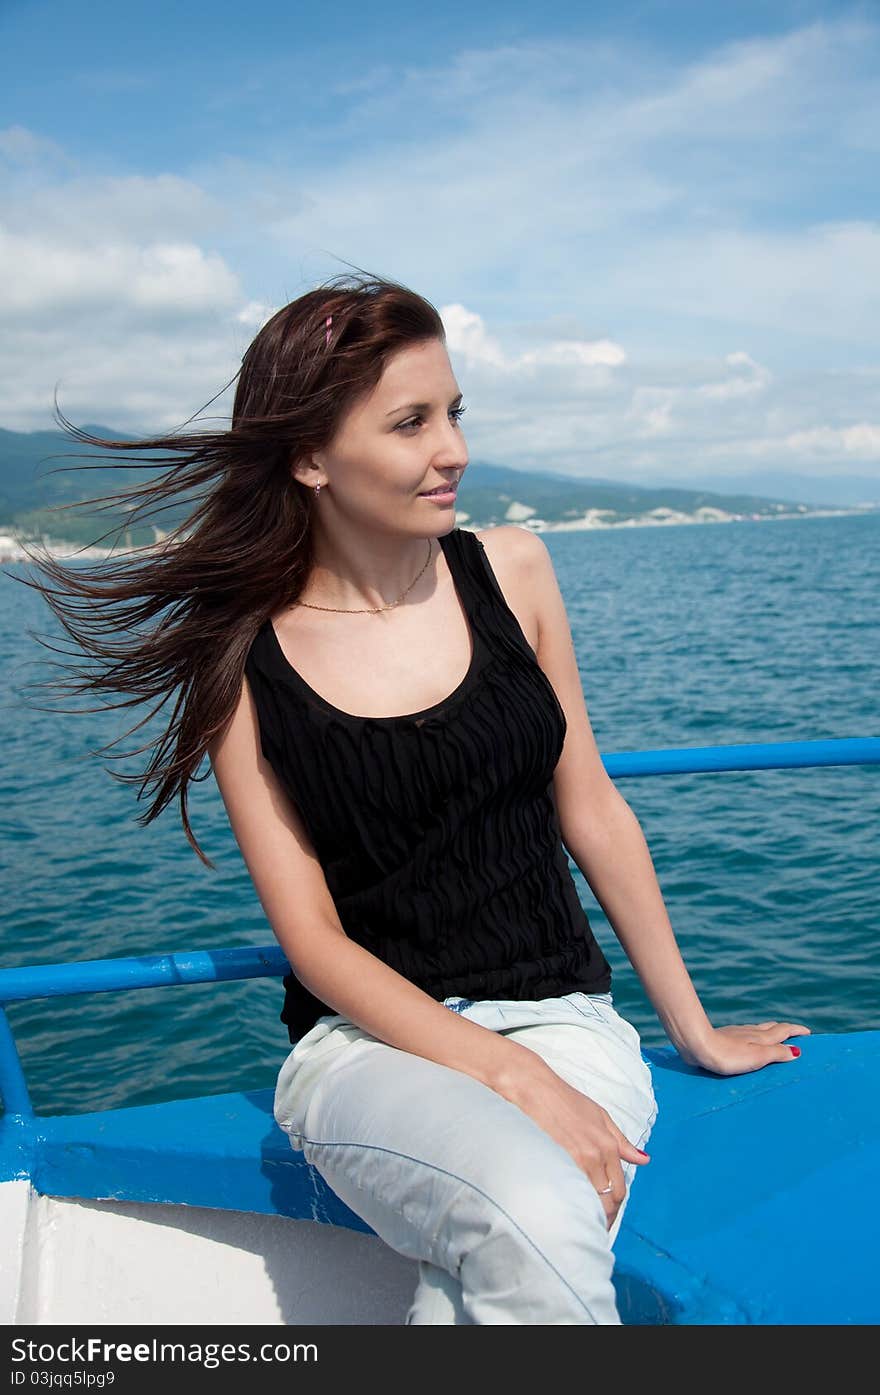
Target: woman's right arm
[[293, 892]]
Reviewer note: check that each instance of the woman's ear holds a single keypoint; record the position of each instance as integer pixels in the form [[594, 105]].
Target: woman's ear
[[308, 472]]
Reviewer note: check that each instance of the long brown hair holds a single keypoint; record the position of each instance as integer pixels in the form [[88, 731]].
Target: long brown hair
[[245, 550]]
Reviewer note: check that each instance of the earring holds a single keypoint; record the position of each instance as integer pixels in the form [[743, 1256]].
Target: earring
[[317, 488]]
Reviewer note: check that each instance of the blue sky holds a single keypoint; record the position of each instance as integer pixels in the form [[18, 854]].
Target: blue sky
[[652, 229]]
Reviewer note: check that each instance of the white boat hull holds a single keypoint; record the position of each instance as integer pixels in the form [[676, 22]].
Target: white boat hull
[[76, 1262]]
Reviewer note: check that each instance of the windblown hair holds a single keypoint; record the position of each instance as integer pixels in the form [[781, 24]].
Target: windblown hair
[[178, 619]]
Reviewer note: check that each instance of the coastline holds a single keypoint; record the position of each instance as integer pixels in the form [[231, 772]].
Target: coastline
[[591, 520], [60, 548], [522, 515]]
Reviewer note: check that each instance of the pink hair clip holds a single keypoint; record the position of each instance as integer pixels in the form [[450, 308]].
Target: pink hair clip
[[329, 322]]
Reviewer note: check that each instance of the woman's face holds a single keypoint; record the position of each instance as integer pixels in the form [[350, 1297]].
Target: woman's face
[[395, 444]]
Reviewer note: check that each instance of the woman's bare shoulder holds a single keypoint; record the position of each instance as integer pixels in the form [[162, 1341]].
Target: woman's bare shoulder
[[511, 546], [515, 556]]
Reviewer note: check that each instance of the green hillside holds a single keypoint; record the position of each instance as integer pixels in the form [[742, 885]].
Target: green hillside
[[43, 472], [36, 481]]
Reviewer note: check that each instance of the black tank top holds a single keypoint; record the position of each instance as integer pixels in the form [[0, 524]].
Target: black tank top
[[437, 831]]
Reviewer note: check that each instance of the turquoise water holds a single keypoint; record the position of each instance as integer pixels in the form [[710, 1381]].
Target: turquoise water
[[686, 636]]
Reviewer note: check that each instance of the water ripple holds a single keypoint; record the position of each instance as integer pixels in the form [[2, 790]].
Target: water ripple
[[685, 636]]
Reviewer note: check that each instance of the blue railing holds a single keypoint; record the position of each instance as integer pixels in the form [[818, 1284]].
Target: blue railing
[[268, 961], [762, 755]]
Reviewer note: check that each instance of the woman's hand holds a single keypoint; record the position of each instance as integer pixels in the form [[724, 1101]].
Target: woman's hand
[[748, 1047], [583, 1128]]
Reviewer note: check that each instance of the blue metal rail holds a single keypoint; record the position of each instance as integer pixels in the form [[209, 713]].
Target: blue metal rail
[[268, 961], [769, 755]]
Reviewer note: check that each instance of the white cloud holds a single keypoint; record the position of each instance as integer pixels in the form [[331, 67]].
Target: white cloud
[[37, 276], [602, 353], [650, 411], [136, 329], [643, 266], [466, 335], [822, 280], [861, 441], [131, 208], [157, 381], [754, 380], [255, 314], [19, 146]]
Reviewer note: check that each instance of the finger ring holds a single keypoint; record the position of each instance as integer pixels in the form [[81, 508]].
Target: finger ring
[[603, 1191]]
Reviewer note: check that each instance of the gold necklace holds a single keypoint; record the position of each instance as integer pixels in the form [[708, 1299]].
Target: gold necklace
[[369, 610]]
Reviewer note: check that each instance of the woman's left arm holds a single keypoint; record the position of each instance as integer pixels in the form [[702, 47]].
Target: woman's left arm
[[605, 839]]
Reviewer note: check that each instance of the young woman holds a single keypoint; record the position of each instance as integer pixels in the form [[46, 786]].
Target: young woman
[[393, 714]]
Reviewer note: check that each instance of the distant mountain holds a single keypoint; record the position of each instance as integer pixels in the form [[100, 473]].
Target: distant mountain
[[25, 457], [36, 478], [488, 493], [42, 472]]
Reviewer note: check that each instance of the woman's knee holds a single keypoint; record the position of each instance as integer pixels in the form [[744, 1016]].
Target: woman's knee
[[536, 1255], [536, 1209]]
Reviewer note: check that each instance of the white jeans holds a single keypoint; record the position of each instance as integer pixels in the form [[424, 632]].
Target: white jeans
[[505, 1225]]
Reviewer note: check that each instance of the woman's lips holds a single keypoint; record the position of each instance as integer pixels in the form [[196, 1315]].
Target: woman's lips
[[441, 492], [446, 497]]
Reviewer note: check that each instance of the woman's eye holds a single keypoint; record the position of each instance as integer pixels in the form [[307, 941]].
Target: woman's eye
[[457, 412]]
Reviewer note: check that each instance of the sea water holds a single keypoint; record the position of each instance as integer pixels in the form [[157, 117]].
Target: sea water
[[685, 636]]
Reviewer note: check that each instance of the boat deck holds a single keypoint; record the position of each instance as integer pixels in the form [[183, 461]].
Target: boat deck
[[744, 1214]]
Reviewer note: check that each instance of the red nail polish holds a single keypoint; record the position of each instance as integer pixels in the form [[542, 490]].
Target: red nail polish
[[642, 1151], [795, 1050]]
